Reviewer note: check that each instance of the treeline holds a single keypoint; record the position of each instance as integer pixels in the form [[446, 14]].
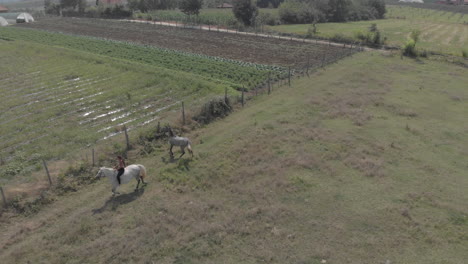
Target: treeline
[[80, 8], [289, 11], [317, 11]]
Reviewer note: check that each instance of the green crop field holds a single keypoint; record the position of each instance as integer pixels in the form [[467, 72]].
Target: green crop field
[[444, 32], [231, 72], [56, 100]]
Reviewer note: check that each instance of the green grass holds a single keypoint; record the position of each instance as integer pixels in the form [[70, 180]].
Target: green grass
[[350, 166], [440, 31]]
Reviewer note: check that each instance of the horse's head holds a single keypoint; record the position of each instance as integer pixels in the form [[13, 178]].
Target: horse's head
[[100, 174]]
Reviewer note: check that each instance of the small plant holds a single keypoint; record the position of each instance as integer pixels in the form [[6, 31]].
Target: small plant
[[465, 54], [409, 49]]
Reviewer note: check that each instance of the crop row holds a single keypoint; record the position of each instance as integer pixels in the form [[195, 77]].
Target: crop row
[[228, 71]]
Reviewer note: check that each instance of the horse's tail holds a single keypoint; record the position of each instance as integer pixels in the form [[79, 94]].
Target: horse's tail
[[189, 147], [142, 171]]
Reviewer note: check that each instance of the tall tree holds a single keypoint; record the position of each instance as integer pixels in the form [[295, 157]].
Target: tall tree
[[338, 10], [190, 7], [245, 11]]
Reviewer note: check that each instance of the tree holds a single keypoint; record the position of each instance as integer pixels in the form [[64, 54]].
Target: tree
[[69, 3], [245, 11], [379, 6], [338, 10], [190, 7]]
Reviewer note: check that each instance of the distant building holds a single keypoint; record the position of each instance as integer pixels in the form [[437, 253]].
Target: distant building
[[411, 1], [225, 5], [3, 9], [18, 17], [3, 22]]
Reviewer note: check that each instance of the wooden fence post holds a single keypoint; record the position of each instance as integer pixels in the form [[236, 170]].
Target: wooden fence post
[[242, 96], [308, 63], [127, 141], [93, 157], [289, 76], [47, 172], [269, 83], [225, 96], [3, 197], [183, 114]]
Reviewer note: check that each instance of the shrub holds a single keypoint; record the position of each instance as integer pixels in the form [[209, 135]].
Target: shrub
[[465, 54], [409, 49], [216, 108], [296, 12]]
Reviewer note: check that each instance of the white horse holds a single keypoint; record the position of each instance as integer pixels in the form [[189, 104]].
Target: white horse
[[136, 171], [181, 142]]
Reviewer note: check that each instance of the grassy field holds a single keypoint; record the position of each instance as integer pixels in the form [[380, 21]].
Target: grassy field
[[444, 32], [350, 166]]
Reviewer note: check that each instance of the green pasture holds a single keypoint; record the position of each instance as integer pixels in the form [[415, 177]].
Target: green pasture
[[444, 32], [363, 162], [56, 101]]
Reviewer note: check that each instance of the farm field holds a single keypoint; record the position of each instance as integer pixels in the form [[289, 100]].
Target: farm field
[[265, 51], [76, 90], [354, 165], [56, 101], [444, 32]]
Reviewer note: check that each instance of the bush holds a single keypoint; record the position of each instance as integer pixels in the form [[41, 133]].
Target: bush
[[296, 12], [216, 108], [409, 49], [266, 18], [465, 54]]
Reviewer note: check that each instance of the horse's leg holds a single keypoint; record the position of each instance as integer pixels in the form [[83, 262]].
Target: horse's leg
[[170, 151], [183, 151], [114, 189], [138, 184]]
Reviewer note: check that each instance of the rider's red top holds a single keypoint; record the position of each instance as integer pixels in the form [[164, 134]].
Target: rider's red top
[[121, 164]]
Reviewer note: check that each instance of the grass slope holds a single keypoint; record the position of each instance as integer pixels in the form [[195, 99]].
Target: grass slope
[[349, 166], [444, 32]]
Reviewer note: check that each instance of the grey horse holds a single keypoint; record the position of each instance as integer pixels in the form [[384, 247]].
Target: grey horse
[[181, 142]]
